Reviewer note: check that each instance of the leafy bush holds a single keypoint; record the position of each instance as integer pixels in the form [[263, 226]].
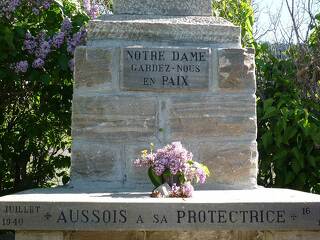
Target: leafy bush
[[37, 40], [288, 127], [240, 13]]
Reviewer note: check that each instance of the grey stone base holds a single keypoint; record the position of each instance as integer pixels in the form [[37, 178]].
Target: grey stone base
[[143, 235], [66, 209]]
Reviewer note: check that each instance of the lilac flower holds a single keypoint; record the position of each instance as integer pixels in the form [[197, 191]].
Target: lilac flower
[[8, 7], [91, 9], [94, 11], [21, 66], [76, 40], [35, 11], [186, 190], [58, 39], [66, 25], [30, 43], [38, 63], [43, 50], [87, 5], [46, 5], [174, 159]]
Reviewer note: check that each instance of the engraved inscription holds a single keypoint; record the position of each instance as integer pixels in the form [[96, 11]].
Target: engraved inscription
[[128, 217], [165, 69]]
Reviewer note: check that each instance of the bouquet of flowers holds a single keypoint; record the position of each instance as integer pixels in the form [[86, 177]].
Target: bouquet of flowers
[[173, 165]]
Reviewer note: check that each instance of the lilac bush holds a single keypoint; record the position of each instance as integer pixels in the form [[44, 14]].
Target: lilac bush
[[37, 43], [173, 160]]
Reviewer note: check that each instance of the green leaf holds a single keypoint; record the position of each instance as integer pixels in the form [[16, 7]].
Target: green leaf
[[289, 178], [155, 179], [295, 167], [298, 157], [63, 62], [267, 139], [270, 112], [312, 161]]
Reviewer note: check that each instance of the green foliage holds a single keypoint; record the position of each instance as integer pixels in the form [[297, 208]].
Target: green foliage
[[155, 179], [35, 104], [288, 127], [240, 13]]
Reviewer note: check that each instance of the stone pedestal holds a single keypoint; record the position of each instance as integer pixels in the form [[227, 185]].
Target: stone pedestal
[[161, 71]]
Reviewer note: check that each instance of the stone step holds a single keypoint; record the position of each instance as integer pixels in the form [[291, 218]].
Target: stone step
[[165, 28], [68, 209]]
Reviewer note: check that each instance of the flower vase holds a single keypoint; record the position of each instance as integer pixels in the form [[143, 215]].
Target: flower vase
[[171, 179]]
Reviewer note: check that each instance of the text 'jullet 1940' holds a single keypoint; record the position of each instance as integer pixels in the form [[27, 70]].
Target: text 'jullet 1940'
[[165, 69]]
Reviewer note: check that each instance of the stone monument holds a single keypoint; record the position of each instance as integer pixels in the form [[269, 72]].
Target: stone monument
[[161, 71]]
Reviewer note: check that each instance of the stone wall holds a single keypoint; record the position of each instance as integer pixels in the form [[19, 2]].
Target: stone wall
[[111, 125]]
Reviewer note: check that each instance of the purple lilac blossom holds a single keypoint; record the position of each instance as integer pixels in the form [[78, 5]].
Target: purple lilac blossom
[[77, 38], [66, 25], [46, 5], [35, 11], [186, 189], [30, 43], [38, 63], [91, 9], [43, 50], [176, 159], [8, 7], [21, 66], [87, 5], [58, 39], [94, 11]]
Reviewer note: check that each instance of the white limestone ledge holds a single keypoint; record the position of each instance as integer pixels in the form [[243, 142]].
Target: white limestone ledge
[[164, 28], [69, 209]]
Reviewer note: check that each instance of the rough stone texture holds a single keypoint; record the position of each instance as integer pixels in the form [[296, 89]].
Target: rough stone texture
[[212, 117], [199, 235], [136, 176], [114, 118], [167, 28], [292, 235], [237, 70], [163, 7], [93, 67], [97, 161], [33, 235], [172, 235], [232, 163]]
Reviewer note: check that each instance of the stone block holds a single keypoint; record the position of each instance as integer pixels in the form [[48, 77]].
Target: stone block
[[136, 176], [237, 70], [93, 67], [199, 29], [97, 161], [231, 163], [164, 7], [71, 209], [292, 235], [34, 235], [212, 117], [114, 118], [168, 235]]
